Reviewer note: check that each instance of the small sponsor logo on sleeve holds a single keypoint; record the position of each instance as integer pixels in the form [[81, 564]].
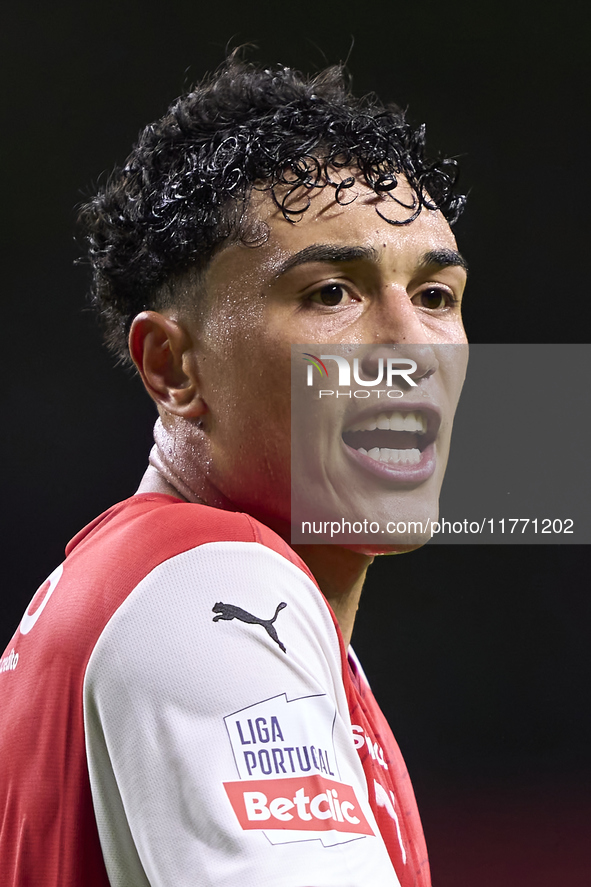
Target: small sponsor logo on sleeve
[[9, 662], [360, 738], [289, 784], [309, 803], [280, 737], [227, 612]]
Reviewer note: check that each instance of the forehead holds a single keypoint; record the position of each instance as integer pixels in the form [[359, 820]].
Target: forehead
[[361, 218]]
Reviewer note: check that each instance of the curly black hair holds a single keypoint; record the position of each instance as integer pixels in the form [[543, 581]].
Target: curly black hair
[[185, 187]]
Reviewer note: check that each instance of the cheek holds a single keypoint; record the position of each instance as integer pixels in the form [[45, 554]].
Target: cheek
[[249, 405], [246, 373], [453, 362], [446, 332]]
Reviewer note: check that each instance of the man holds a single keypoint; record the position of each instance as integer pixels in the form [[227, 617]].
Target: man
[[177, 702]]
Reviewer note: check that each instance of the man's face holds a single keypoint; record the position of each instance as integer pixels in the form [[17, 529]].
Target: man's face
[[341, 275]]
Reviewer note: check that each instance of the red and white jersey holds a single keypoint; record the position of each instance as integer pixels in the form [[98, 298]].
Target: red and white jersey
[[177, 708]]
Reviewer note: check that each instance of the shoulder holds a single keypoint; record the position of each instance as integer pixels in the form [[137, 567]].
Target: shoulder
[[152, 538], [198, 585], [151, 552], [225, 599], [155, 526]]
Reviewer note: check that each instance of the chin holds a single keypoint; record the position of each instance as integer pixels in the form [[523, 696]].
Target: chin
[[377, 550]]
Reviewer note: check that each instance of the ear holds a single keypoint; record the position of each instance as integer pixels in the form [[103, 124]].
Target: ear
[[162, 351]]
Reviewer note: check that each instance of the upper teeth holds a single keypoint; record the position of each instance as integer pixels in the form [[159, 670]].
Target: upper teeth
[[392, 422]]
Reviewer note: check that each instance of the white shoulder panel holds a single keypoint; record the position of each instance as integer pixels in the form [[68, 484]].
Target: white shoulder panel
[[218, 736]]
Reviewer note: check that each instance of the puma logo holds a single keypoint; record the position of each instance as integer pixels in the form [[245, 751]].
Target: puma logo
[[229, 611]]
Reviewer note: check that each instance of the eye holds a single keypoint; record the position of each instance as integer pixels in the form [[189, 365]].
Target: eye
[[330, 295], [434, 298]]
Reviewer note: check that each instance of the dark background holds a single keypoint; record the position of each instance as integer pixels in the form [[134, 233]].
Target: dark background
[[479, 655]]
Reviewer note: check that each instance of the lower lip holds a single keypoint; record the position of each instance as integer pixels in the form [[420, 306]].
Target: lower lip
[[404, 473]]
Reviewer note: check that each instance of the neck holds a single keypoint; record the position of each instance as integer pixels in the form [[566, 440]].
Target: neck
[[340, 573], [154, 481]]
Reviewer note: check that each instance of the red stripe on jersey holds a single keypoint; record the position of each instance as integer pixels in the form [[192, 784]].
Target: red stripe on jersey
[[390, 790]]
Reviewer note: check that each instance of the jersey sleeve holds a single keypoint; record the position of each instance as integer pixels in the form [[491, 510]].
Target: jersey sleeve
[[218, 735]]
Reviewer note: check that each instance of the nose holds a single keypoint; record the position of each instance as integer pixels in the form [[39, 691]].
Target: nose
[[396, 331], [423, 355]]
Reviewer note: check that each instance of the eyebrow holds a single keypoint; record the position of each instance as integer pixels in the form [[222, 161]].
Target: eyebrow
[[443, 258], [326, 252]]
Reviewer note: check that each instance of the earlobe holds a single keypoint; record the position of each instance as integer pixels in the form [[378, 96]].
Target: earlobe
[[161, 348]]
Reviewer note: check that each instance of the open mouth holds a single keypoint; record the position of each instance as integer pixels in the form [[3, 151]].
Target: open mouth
[[393, 438]]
